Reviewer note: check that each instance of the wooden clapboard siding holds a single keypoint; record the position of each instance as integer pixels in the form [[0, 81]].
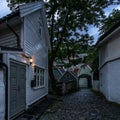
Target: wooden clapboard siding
[[35, 46], [9, 39], [33, 33], [34, 38]]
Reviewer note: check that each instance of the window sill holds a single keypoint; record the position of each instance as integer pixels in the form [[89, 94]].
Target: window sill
[[40, 87]]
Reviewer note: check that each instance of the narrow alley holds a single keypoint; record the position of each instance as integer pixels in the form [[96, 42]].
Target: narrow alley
[[82, 105]]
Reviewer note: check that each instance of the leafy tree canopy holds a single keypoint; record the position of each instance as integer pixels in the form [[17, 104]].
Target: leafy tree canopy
[[68, 22], [110, 21]]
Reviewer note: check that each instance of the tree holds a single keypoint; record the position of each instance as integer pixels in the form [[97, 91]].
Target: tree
[[68, 20], [93, 57], [110, 21]]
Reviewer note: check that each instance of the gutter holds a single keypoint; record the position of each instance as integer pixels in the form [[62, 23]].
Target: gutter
[[17, 36], [6, 89]]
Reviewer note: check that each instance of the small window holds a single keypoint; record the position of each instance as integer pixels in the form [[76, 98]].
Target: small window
[[39, 76]]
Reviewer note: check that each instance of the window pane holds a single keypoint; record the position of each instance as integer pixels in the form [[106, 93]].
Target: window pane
[[34, 77], [38, 70], [39, 76], [35, 69], [38, 80]]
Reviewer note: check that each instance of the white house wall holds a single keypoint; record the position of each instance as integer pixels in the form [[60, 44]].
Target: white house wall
[[103, 54], [110, 50], [104, 80], [34, 46], [109, 72], [114, 81], [114, 47], [2, 93]]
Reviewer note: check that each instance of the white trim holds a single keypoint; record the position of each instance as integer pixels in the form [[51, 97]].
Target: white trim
[[38, 87], [17, 62], [29, 8], [108, 36], [39, 66], [36, 74]]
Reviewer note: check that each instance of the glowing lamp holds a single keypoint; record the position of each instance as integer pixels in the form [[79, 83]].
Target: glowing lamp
[[31, 60]]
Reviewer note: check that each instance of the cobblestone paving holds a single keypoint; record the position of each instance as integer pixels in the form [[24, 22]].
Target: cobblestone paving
[[82, 105]]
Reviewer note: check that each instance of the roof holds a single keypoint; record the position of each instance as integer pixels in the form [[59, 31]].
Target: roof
[[23, 10], [101, 38], [57, 73], [31, 7], [9, 16], [26, 9], [65, 78]]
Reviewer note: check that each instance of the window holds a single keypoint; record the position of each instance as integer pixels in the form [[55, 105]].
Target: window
[[39, 76]]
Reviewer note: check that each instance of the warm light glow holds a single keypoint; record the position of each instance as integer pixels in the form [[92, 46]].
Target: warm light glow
[[24, 61], [31, 60]]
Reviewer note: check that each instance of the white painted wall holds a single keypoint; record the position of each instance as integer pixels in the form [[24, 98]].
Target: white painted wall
[[2, 96], [114, 81], [34, 45], [109, 50], [104, 80], [114, 47], [110, 72]]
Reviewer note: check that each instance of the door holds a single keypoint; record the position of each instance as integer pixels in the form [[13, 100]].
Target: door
[[17, 88]]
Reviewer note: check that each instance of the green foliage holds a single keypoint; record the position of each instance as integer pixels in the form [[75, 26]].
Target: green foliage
[[93, 58], [110, 21], [68, 18], [68, 22]]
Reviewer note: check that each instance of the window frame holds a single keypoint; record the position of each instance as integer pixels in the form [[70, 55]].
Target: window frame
[[39, 77]]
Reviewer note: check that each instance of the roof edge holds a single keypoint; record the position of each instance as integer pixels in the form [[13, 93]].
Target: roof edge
[[28, 8], [110, 31]]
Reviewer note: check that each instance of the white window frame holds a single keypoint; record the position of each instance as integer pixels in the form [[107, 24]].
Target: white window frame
[[39, 77]]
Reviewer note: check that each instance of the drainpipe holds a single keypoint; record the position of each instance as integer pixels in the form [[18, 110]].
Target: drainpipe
[[17, 36], [6, 89]]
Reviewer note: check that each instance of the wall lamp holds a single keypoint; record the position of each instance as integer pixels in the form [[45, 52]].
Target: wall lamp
[[31, 60]]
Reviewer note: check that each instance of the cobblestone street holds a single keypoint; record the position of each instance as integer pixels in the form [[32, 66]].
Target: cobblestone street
[[82, 105]]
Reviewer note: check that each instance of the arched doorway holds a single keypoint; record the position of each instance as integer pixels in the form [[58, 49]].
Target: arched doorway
[[87, 78]]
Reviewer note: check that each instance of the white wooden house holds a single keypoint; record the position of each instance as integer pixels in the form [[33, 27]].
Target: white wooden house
[[109, 63], [24, 45]]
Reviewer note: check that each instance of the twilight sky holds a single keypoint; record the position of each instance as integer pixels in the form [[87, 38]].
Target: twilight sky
[[4, 10]]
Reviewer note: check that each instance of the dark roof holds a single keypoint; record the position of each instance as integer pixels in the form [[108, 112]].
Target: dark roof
[[67, 77], [108, 32], [57, 74], [61, 70], [9, 16]]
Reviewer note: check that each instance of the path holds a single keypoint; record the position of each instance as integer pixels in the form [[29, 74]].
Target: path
[[82, 105]]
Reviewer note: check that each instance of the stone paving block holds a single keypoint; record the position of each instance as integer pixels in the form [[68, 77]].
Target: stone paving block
[[82, 105]]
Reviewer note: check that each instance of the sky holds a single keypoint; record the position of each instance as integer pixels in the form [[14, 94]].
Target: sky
[[4, 10]]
